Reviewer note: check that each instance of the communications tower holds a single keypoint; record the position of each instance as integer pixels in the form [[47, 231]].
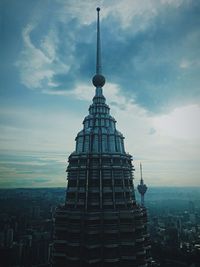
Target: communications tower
[[142, 188]]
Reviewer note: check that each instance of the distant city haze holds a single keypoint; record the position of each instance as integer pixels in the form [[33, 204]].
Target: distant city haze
[[151, 61]]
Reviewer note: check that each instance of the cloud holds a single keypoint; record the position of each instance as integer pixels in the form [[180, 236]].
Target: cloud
[[149, 71], [149, 50], [29, 169], [182, 123], [27, 129], [37, 64]]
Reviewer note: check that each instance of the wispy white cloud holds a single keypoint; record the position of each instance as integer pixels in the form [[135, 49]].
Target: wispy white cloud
[[182, 123], [34, 64], [186, 64], [47, 131], [38, 64], [125, 10], [28, 169]]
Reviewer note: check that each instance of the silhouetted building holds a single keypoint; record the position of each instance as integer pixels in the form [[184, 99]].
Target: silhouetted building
[[100, 223]]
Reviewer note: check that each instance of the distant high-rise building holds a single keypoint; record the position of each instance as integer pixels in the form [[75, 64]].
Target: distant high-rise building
[[100, 223], [142, 188]]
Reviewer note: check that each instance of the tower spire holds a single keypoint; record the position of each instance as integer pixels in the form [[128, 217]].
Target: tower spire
[[141, 179], [98, 80], [98, 59]]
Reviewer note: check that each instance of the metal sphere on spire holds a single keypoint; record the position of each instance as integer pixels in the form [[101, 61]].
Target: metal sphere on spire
[[98, 80]]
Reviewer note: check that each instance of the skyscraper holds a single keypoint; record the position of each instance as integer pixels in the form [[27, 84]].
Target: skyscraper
[[100, 223]]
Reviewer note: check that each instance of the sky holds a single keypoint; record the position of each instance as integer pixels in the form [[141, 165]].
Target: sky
[[151, 61]]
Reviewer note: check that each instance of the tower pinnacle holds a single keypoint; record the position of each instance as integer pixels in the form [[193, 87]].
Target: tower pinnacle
[[142, 188], [98, 80]]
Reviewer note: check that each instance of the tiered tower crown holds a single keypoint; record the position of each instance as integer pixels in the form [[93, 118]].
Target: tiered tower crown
[[99, 134]]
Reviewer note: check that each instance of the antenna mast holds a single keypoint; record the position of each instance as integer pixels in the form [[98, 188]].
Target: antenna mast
[[98, 80]]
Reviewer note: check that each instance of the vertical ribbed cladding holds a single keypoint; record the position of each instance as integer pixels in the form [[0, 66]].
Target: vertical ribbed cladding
[[100, 183], [100, 224]]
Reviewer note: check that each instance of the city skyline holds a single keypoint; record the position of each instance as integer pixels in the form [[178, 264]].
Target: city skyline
[[150, 60]]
